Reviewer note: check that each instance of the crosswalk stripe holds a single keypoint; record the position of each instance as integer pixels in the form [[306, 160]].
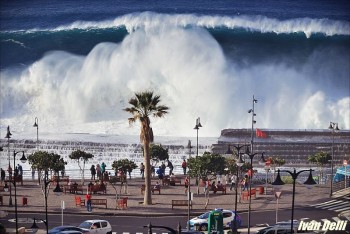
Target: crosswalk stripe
[[343, 209], [332, 202]]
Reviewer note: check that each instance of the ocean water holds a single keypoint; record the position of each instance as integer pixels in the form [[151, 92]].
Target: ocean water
[[75, 64]]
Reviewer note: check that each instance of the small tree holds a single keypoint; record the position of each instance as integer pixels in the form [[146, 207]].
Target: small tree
[[158, 153], [320, 159], [123, 165], [81, 156], [276, 162]]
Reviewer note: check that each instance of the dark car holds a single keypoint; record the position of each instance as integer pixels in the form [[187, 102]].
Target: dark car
[[67, 229]]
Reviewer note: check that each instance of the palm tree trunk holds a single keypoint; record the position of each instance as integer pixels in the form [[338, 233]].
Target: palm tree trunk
[[147, 200]]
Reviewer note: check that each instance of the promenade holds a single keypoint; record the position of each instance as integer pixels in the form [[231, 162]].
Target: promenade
[[161, 203]]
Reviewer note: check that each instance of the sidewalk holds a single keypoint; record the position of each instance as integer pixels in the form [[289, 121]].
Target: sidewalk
[[161, 203]]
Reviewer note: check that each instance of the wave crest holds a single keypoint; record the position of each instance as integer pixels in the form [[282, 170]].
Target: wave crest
[[261, 24]]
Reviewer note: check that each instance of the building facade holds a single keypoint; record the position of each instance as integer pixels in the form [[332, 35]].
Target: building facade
[[292, 145]]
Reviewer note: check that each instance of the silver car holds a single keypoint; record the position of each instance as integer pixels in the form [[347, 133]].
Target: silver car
[[96, 226]]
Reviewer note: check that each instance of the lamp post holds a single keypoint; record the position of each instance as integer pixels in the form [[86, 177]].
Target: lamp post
[[251, 156], [36, 125], [333, 127], [198, 125], [189, 147], [252, 111], [57, 191], [23, 160], [309, 182], [239, 163], [35, 227], [8, 136]]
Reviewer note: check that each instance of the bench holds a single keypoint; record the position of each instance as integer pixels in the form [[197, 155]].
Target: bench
[[180, 203], [153, 189], [222, 189], [99, 202], [79, 201], [122, 203], [165, 181], [246, 194], [18, 178], [62, 179], [94, 188], [73, 188], [174, 181]]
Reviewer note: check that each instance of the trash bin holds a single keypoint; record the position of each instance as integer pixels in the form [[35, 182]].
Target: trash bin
[[261, 189], [24, 201]]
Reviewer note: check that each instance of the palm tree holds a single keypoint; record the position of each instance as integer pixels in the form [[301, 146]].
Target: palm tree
[[143, 105]]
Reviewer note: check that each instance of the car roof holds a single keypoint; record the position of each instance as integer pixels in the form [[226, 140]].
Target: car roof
[[64, 226], [95, 220]]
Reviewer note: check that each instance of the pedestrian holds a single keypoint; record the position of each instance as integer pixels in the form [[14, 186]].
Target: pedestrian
[[187, 182], [206, 188], [160, 173], [2, 176], [88, 201], [184, 166], [142, 170], [153, 171], [98, 171], [244, 183], [33, 173], [20, 170], [171, 167], [103, 168], [233, 182], [93, 172], [129, 172], [9, 170]]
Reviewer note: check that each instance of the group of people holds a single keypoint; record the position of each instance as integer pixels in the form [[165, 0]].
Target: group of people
[[243, 183], [99, 170], [17, 172]]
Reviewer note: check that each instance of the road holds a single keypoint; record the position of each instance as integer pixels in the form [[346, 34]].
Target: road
[[129, 224]]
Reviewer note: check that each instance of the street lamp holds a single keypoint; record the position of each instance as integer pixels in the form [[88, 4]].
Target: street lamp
[[251, 156], [36, 125], [239, 163], [253, 122], [23, 160], [198, 125], [57, 191], [35, 227], [309, 183], [334, 128], [8, 136], [189, 147]]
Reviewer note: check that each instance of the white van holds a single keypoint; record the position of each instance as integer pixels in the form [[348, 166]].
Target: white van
[[97, 226]]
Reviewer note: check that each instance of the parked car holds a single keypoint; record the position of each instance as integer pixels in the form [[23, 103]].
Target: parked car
[[67, 229], [201, 222], [97, 226]]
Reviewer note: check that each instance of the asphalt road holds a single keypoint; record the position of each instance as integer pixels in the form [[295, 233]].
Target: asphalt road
[[129, 224]]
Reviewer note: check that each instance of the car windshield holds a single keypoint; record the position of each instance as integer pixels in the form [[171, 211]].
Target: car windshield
[[85, 225], [204, 216]]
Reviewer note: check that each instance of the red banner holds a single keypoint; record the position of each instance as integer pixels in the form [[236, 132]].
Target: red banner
[[260, 133]]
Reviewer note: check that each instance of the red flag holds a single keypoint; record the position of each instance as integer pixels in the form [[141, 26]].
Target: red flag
[[260, 133]]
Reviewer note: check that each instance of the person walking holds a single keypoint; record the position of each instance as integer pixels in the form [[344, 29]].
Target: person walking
[[88, 201], [171, 168], [184, 166], [187, 181], [33, 173], [233, 182], [93, 172], [142, 170], [3, 175]]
